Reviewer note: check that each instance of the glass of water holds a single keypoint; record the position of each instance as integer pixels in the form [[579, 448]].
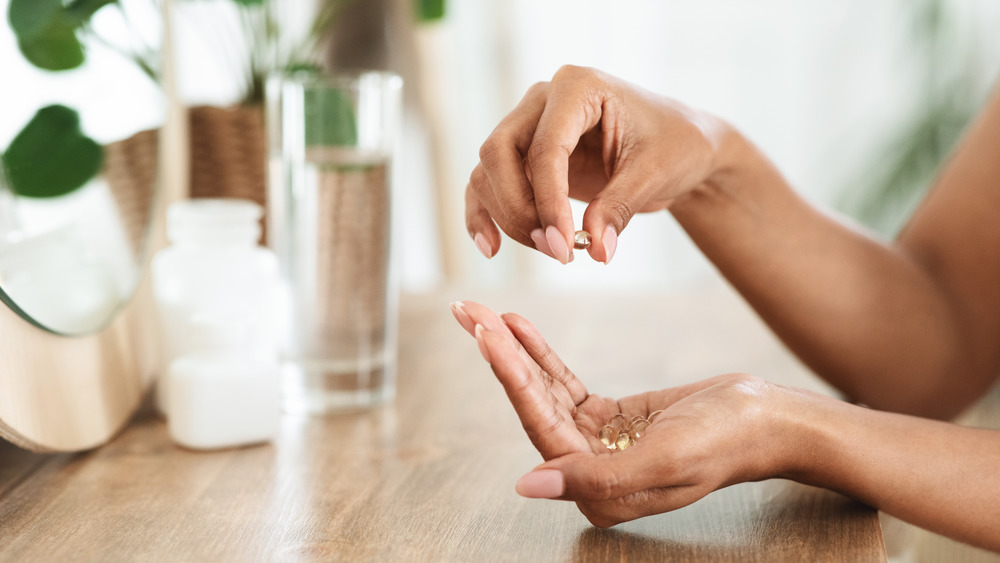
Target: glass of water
[[332, 139]]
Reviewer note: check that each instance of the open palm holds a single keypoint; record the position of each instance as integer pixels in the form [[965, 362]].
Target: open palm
[[557, 412], [709, 435]]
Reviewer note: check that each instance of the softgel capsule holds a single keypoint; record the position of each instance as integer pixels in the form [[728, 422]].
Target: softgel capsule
[[621, 433]]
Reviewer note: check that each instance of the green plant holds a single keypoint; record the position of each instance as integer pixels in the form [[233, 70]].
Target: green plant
[[264, 30], [52, 136], [51, 156], [261, 24], [52, 35]]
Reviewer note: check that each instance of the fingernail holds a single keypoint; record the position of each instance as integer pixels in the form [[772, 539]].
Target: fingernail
[[610, 243], [541, 244], [481, 340], [543, 483], [483, 245], [463, 318], [560, 250]]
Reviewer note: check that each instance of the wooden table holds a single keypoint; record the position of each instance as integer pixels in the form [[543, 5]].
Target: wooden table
[[431, 477]]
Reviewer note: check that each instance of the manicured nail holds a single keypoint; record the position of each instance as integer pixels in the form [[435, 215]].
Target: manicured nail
[[543, 483], [560, 250], [480, 333], [463, 318], [483, 245], [542, 245], [610, 243]]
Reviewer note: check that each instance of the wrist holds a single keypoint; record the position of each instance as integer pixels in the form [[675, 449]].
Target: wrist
[[781, 434], [809, 427], [740, 174], [729, 150]]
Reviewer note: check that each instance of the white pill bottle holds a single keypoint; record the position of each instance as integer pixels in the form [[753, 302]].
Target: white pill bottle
[[223, 395], [214, 268]]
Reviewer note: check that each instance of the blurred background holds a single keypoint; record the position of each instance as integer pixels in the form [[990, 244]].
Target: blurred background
[[857, 102]]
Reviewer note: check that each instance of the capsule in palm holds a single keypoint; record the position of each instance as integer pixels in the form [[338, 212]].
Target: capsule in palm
[[624, 440], [618, 422], [608, 435], [638, 430]]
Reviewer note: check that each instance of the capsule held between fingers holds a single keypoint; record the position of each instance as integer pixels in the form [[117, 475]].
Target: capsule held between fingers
[[581, 240]]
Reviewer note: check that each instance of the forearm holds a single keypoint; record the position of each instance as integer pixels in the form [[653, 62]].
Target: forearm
[[936, 475], [860, 312]]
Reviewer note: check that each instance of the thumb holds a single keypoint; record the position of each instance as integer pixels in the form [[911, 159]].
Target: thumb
[[610, 211], [589, 477]]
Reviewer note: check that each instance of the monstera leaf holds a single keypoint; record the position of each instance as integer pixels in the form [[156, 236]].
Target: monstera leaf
[[51, 156], [46, 30]]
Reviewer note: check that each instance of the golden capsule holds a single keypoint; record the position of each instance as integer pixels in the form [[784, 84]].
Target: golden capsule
[[638, 430], [653, 415], [581, 240], [635, 419], [617, 421], [624, 441], [608, 436]]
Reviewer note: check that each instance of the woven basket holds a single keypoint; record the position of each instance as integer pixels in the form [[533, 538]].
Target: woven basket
[[130, 170], [228, 148]]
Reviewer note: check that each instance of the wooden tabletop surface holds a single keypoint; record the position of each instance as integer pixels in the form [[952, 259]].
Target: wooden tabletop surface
[[431, 476]]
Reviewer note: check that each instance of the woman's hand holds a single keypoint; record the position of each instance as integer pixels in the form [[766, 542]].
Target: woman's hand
[[558, 414], [592, 137], [710, 434]]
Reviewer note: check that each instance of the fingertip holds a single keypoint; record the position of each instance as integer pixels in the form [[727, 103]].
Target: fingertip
[[462, 316], [558, 244], [508, 318], [541, 483], [480, 334], [610, 243], [519, 325], [480, 225], [605, 236], [484, 246], [541, 243]]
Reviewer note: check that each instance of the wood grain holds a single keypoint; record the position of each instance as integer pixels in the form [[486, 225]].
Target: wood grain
[[430, 477]]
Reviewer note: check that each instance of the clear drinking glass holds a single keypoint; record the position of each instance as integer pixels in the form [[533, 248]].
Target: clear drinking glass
[[332, 141]]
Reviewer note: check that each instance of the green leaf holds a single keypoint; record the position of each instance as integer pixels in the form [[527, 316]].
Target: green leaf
[[330, 118], [30, 17], [429, 10], [57, 49], [51, 156], [83, 10], [46, 33]]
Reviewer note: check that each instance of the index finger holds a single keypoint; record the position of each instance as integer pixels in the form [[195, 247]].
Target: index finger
[[573, 107], [502, 160]]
